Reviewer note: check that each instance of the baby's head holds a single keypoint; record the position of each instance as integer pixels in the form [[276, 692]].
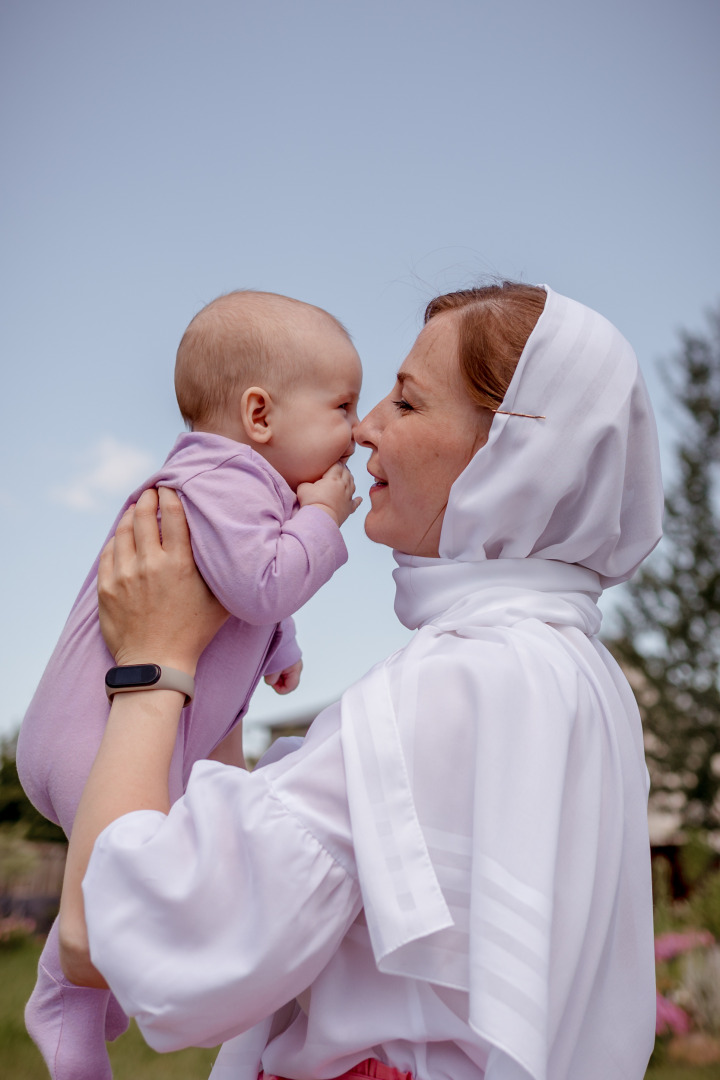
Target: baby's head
[[274, 373]]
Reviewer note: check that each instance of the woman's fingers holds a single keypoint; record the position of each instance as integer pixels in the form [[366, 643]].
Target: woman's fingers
[[106, 564], [145, 525], [123, 543], [154, 605]]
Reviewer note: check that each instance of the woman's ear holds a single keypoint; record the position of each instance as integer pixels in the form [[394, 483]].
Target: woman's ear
[[256, 407]]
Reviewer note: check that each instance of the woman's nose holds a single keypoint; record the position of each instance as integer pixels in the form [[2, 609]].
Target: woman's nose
[[366, 430]]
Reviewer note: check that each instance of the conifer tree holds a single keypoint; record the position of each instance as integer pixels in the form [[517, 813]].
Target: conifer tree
[[669, 641]]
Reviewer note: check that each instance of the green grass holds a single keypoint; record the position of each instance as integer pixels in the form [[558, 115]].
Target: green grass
[[132, 1058], [684, 1072]]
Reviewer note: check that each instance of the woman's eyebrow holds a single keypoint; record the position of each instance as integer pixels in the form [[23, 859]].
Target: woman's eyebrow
[[403, 376]]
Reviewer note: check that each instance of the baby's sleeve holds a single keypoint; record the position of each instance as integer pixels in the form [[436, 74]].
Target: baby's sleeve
[[260, 563], [285, 650]]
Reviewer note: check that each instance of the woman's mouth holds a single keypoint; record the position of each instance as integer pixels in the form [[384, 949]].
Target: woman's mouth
[[379, 483]]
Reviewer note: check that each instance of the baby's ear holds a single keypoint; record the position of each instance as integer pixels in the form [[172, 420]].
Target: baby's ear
[[255, 409]]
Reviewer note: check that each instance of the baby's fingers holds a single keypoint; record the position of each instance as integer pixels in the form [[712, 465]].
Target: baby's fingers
[[335, 471]]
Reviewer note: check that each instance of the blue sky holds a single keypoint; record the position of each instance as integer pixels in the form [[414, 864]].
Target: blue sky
[[362, 156]]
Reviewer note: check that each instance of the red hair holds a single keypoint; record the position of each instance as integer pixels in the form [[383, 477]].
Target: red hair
[[494, 323]]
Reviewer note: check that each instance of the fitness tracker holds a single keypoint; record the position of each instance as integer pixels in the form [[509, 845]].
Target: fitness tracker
[[121, 680]]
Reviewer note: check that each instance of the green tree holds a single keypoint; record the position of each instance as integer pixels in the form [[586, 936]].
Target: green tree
[[669, 641], [17, 813]]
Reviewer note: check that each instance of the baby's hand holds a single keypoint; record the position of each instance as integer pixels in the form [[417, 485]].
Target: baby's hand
[[283, 682], [332, 493]]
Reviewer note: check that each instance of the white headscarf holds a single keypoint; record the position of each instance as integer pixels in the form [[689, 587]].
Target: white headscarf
[[539, 783]]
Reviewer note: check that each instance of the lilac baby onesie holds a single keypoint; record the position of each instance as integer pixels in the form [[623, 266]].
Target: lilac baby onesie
[[263, 557]]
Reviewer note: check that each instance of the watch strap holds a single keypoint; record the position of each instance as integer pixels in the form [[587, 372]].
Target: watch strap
[[162, 678]]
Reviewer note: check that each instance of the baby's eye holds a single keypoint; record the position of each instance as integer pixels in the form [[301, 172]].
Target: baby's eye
[[402, 405], [345, 405]]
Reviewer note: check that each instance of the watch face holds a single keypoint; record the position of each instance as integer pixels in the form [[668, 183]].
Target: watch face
[[134, 675]]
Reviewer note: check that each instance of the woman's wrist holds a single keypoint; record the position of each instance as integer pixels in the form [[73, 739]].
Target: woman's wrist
[[152, 706], [132, 657]]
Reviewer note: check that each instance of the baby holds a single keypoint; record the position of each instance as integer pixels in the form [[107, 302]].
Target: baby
[[269, 388]]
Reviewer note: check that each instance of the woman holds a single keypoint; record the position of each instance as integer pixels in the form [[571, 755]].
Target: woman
[[451, 877]]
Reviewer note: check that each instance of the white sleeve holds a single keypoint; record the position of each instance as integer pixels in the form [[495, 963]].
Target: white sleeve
[[207, 920]]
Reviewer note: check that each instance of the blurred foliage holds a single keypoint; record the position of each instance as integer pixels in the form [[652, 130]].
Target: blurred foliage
[[666, 915], [696, 857], [701, 909], [15, 931], [688, 971], [704, 904], [669, 643], [17, 813], [17, 857]]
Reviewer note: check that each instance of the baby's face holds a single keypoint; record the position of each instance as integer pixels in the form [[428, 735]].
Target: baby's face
[[313, 424]]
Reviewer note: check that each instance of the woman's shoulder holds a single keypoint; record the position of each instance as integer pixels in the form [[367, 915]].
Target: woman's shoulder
[[450, 686], [496, 652]]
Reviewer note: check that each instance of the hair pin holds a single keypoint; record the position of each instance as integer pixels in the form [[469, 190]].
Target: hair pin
[[528, 416]]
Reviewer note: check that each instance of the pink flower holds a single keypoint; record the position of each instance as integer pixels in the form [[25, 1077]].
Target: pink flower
[[670, 1017], [14, 929], [669, 945]]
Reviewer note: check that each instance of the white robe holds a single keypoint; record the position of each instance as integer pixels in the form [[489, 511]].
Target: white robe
[[247, 896]]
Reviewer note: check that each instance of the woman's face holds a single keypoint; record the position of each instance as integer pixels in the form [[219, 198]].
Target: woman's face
[[422, 435]]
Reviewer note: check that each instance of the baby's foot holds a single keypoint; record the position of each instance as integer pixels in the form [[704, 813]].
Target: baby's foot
[[67, 1024], [116, 1022]]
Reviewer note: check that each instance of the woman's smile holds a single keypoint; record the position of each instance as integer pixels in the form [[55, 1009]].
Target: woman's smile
[[379, 483]]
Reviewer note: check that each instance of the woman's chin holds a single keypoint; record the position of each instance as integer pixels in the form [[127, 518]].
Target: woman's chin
[[374, 529]]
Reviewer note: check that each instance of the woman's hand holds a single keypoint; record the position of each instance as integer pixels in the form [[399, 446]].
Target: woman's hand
[[155, 607]]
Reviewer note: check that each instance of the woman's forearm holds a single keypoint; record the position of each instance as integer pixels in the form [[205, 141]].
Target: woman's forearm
[[154, 608], [130, 772]]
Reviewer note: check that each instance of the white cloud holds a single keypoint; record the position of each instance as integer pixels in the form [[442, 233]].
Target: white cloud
[[113, 470]]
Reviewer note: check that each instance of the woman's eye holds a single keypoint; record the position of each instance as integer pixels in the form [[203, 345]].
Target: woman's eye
[[402, 405]]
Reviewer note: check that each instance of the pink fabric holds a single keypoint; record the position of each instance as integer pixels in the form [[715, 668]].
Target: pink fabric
[[263, 556], [371, 1067]]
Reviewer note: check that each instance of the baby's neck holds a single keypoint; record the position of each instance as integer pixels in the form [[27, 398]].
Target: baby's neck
[[226, 427], [237, 433]]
